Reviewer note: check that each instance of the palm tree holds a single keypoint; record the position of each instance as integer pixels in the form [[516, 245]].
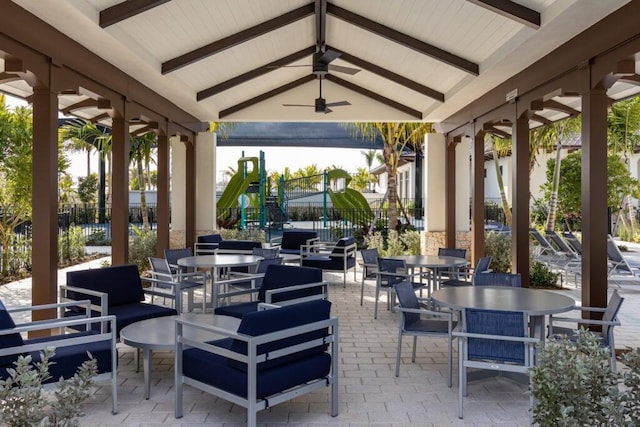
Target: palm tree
[[499, 148], [370, 156], [361, 180], [623, 123], [140, 153], [547, 138], [396, 138], [78, 136]]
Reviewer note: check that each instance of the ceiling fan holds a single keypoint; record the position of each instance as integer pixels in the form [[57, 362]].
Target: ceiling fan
[[322, 64], [321, 105]]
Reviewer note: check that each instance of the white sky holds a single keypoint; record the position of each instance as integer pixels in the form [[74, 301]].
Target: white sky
[[276, 159]]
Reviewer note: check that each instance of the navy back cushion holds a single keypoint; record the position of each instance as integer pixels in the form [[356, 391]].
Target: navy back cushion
[[280, 276], [345, 241], [11, 340], [241, 245], [122, 284], [210, 238], [293, 239]]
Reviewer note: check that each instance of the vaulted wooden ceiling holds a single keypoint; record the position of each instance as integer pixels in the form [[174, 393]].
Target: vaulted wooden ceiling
[[242, 60]]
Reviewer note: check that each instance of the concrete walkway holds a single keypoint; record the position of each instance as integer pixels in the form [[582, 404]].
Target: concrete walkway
[[369, 391]]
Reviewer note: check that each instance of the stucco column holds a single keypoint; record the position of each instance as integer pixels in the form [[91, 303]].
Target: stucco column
[[434, 192], [178, 196], [205, 182]]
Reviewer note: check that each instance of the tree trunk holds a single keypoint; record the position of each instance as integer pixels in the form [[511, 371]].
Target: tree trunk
[[143, 196], [88, 162], [553, 199], [392, 190]]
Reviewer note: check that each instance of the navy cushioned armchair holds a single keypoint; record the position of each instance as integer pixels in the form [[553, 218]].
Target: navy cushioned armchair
[[282, 285], [339, 256], [292, 240], [70, 347], [276, 355], [115, 290]]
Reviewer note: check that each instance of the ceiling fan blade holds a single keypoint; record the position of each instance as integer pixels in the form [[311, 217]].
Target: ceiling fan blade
[[338, 104], [346, 70], [329, 56], [287, 66], [297, 105], [328, 110]]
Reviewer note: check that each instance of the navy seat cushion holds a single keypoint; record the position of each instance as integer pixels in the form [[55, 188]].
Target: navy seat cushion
[[210, 238], [274, 375], [122, 284], [242, 245], [237, 310], [130, 313], [11, 340], [280, 276]]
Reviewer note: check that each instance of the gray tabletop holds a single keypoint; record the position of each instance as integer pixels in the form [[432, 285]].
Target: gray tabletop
[[223, 260], [159, 333], [534, 302], [432, 261]]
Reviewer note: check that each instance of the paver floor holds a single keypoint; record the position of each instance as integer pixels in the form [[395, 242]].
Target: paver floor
[[370, 394]]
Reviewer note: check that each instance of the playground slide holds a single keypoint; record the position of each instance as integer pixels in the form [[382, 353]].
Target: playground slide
[[350, 200], [237, 185]]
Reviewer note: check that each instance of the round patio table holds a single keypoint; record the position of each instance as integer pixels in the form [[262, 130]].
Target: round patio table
[[160, 334], [535, 303], [215, 262], [434, 262]]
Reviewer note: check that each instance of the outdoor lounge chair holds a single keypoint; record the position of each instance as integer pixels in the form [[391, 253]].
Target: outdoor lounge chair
[[572, 240], [617, 262], [609, 320], [70, 347], [292, 240], [282, 285], [562, 246], [338, 256], [207, 244], [276, 354], [115, 290]]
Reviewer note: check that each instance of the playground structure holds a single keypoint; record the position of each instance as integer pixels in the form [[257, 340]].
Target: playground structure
[[249, 199]]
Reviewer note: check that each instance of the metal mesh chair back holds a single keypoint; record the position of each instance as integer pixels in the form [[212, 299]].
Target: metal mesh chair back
[[573, 241], [159, 265], [490, 322], [266, 253], [390, 265], [407, 299], [455, 252], [498, 279], [613, 307], [483, 264]]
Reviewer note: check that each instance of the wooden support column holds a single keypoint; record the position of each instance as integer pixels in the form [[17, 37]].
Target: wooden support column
[[520, 197], [190, 194], [45, 201], [120, 193], [594, 198], [162, 209], [450, 194], [477, 199]]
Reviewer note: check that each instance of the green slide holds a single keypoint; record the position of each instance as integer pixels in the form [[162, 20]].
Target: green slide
[[238, 185], [356, 208]]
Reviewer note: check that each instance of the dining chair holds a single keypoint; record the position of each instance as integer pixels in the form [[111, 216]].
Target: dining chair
[[173, 255], [482, 266], [448, 273], [390, 272], [369, 267], [161, 271], [416, 320], [609, 320], [513, 280], [266, 252], [492, 340]]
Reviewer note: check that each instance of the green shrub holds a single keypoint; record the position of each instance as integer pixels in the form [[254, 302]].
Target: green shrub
[[394, 244], [235, 234], [98, 237], [23, 401], [498, 247], [142, 245], [572, 385], [541, 277], [71, 244]]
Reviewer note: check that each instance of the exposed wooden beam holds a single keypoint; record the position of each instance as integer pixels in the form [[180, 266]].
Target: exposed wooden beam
[[375, 96], [125, 10], [277, 91], [403, 39], [237, 38], [99, 117], [257, 72], [321, 23], [8, 77], [86, 103], [632, 80], [142, 130], [396, 78], [511, 10], [538, 118], [558, 106]]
